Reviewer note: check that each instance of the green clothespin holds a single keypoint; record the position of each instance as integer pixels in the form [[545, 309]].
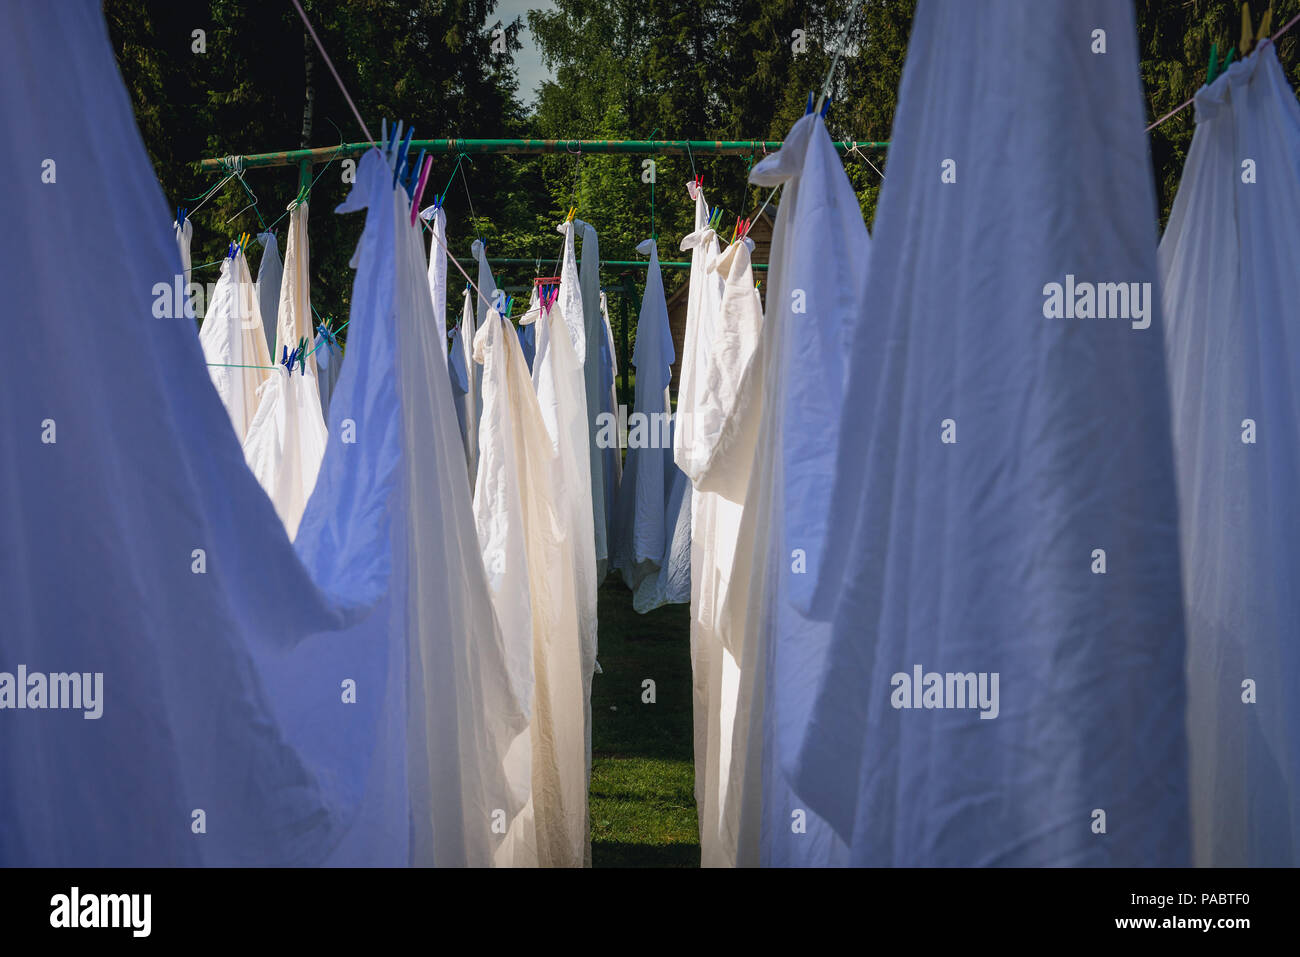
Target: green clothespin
[[1214, 64], [302, 355]]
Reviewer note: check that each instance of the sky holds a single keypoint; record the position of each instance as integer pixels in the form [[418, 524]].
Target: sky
[[529, 61]]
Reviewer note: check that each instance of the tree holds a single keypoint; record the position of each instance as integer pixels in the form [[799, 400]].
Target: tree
[[433, 64], [624, 69]]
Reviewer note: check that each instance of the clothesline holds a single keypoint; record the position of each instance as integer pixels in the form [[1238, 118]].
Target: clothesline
[[305, 158], [224, 164], [1192, 99], [233, 365]]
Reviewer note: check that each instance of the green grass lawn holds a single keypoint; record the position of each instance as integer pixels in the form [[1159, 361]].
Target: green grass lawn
[[642, 769]]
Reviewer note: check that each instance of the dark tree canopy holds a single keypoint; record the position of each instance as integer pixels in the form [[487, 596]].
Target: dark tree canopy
[[624, 69]]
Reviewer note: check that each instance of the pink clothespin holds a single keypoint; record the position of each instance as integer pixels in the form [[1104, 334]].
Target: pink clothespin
[[419, 188]]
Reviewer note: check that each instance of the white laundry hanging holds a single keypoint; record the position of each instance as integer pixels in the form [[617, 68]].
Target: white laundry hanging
[[723, 325], [989, 447], [593, 333], [184, 236], [787, 405], [233, 345], [465, 384], [652, 527], [270, 274], [292, 692], [561, 394], [438, 271], [488, 298], [704, 297], [613, 452], [1230, 288], [293, 317], [329, 363], [439, 612], [724, 431], [670, 583], [285, 443], [521, 533]]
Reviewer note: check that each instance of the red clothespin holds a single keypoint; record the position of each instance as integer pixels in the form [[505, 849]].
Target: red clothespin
[[699, 181]]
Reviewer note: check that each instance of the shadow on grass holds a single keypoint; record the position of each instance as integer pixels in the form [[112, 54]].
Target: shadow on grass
[[642, 777]]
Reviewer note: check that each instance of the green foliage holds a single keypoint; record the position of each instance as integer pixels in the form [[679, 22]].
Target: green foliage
[[430, 63], [1175, 44], [624, 69]]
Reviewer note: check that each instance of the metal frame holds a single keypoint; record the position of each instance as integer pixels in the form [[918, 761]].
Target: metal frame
[[324, 154]]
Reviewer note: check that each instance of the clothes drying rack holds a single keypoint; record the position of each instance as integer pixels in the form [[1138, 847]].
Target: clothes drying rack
[[305, 159]]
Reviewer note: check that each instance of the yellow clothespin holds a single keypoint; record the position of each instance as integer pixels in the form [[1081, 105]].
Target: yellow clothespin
[[1264, 24], [573, 210], [1247, 34]]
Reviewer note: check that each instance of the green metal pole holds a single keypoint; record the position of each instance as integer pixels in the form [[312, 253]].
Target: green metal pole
[[324, 154]]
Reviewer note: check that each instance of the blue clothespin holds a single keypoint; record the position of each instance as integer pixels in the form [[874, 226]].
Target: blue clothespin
[[407, 179], [826, 106], [811, 104], [327, 334], [284, 357], [413, 179], [401, 157]]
